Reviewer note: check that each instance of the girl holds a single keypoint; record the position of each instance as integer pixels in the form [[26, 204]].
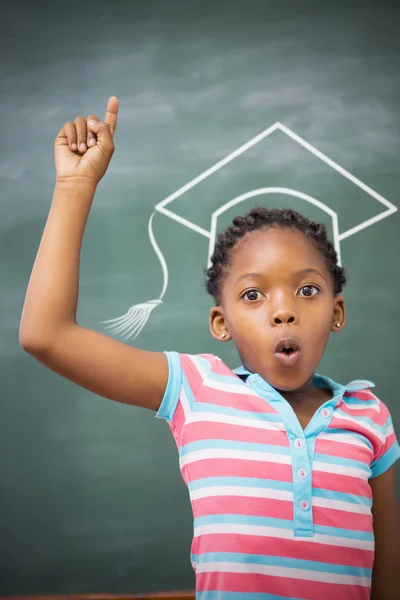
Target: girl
[[291, 475]]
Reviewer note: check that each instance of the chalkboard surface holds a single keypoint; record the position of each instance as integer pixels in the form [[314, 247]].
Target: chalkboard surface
[[300, 102]]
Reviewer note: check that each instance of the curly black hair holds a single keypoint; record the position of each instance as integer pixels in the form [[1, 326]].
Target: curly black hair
[[261, 218]]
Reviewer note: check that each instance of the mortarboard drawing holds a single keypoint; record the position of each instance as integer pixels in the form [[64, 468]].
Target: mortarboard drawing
[[132, 322]]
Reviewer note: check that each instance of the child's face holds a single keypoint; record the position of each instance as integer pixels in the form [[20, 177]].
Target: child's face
[[278, 287]]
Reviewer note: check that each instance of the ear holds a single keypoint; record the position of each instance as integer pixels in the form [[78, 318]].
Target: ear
[[217, 324], [339, 314]]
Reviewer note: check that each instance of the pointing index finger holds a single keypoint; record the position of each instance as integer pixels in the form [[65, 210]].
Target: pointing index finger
[[112, 113]]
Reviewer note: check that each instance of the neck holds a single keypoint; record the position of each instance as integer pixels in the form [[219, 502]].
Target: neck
[[305, 393]]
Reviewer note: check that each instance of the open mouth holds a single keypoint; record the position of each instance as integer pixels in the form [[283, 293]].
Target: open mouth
[[288, 351]]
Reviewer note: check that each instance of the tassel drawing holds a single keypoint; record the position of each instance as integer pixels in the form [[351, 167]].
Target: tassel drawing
[[131, 323]]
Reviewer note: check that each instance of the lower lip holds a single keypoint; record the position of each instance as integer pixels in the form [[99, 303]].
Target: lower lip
[[288, 360]]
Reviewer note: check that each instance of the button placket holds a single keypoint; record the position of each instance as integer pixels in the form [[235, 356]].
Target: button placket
[[302, 486], [299, 451]]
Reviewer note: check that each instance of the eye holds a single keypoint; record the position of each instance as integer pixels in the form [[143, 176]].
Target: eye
[[308, 291], [252, 295]]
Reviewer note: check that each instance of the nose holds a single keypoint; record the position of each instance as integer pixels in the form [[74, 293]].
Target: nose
[[283, 316]]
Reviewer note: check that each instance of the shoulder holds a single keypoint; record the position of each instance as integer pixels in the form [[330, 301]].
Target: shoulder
[[194, 369], [360, 396]]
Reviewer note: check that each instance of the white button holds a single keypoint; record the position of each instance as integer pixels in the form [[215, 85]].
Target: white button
[[304, 505], [298, 443], [325, 412], [302, 473]]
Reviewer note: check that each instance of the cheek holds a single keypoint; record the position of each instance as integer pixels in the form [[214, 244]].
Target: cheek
[[319, 322]]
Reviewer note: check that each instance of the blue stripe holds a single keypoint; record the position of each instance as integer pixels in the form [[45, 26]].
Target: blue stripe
[[240, 482], [203, 362], [242, 414], [243, 520], [353, 534], [280, 561], [233, 445], [388, 422], [171, 395], [280, 524], [188, 391], [386, 460], [351, 401], [346, 462], [341, 497]]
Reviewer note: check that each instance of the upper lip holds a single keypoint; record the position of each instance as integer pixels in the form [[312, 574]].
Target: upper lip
[[286, 343]]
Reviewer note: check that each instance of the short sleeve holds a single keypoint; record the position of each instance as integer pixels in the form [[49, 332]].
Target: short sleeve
[[388, 448], [186, 375]]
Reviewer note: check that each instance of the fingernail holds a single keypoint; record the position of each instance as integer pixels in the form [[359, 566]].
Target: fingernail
[[83, 147], [91, 122], [91, 142], [73, 146]]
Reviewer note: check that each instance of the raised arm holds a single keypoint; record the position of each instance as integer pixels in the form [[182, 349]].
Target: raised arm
[[49, 330]]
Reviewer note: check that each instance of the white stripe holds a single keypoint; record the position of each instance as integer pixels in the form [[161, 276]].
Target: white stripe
[[184, 402], [215, 453], [250, 492], [340, 505], [201, 416], [341, 470], [389, 430], [343, 438], [275, 532], [359, 423], [372, 406], [233, 388], [198, 364], [355, 385], [278, 571], [275, 494]]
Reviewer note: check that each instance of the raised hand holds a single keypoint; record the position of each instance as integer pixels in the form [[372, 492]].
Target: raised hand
[[84, 147]]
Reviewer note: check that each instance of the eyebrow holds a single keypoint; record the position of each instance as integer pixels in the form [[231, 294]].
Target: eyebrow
[[307, 271], [249, 276], [310, 272]]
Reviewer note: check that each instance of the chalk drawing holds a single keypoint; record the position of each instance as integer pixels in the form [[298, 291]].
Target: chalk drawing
[[132, 322]]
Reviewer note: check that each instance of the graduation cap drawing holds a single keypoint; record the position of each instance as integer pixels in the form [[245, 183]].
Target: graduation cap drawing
[[232, 188]]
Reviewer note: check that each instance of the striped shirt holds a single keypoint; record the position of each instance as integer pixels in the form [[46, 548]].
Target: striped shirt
[[279, 512]]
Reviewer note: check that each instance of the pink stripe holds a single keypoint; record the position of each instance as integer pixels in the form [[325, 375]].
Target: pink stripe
[[341, 483], [282, 586], [352, 426], [224, 467], [189, 368], [178, 421], [361, 395], [222, 369], [343, 450], [238, 401], [198, 431], [242, 505], [301, 549], [360, 412], [390, 440], [346, 520]]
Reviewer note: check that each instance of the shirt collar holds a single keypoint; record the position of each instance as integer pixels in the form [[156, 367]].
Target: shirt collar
[[339, 391]]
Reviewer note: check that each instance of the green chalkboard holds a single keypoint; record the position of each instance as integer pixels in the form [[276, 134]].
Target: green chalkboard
[[300, 102]]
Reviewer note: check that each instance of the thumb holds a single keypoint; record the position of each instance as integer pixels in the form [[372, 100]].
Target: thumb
[[103, 133]]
